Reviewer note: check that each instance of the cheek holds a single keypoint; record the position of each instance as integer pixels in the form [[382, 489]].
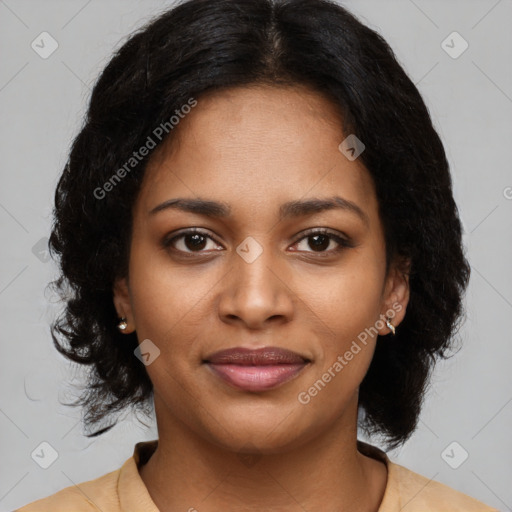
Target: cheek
[[345, 307], [347, 300], [345, 350], [163, 292], [167, 304]]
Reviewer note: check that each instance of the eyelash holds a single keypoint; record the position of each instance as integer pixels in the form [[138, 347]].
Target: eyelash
[[343, 242]]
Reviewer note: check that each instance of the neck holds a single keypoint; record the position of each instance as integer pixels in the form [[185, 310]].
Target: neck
[[187, 472]]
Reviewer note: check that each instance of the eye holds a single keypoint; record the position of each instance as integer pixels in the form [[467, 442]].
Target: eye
[[189, 242], [320, 240]]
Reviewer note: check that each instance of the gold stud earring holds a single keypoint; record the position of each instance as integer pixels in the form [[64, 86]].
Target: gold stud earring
[[390, 325], [122, 325]]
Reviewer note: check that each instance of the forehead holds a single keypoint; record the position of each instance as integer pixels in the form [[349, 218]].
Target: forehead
[[254, 146]]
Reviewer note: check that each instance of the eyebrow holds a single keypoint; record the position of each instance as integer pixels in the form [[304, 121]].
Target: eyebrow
[[291, 209]]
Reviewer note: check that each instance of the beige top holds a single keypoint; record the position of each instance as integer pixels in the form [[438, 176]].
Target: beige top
[[123, 490]]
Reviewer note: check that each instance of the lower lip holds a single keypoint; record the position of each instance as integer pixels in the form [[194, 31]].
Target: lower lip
[[256, 378]]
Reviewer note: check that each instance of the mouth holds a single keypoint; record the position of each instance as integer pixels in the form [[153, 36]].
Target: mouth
[[256, 370]]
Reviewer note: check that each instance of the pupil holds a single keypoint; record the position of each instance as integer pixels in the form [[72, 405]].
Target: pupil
[[198, 241], [323, 244]]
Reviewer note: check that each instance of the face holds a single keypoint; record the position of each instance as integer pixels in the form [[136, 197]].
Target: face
[[264, 266]]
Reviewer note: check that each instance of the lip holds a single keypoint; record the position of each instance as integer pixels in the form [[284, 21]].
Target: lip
[[264, 356], [256, 370]]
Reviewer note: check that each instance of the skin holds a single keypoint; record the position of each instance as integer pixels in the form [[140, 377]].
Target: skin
[[254, 149]]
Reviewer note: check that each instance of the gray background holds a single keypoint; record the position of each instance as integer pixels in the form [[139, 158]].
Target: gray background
[[42, 103]]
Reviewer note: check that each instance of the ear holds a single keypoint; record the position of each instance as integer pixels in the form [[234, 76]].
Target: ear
[[396, 293], [123, 304]]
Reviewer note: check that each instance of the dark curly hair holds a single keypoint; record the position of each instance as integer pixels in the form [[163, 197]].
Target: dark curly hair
[[204, 45]]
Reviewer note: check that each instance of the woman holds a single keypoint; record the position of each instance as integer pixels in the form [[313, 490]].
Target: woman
[[257, 228]]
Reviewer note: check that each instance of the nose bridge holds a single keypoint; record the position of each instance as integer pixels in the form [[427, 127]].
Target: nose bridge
[[255, 291], [255, 266]]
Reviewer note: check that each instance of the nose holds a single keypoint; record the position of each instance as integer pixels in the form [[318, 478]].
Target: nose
[[256, 294]]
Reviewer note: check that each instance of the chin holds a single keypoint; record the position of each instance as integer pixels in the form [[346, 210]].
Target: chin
[[264, 430]]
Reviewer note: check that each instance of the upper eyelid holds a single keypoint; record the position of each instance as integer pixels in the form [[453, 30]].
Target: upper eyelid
[[323, 231]]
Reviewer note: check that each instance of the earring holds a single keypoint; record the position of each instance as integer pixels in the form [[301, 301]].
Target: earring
[[390, 325], [122, 325]]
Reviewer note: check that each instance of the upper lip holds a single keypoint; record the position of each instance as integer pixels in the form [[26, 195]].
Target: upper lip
[[256, 357]]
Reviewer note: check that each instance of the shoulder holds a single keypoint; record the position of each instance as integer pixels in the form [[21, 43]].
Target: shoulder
[[99, 494], [122, 489], [421, 494], [413, 492]]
